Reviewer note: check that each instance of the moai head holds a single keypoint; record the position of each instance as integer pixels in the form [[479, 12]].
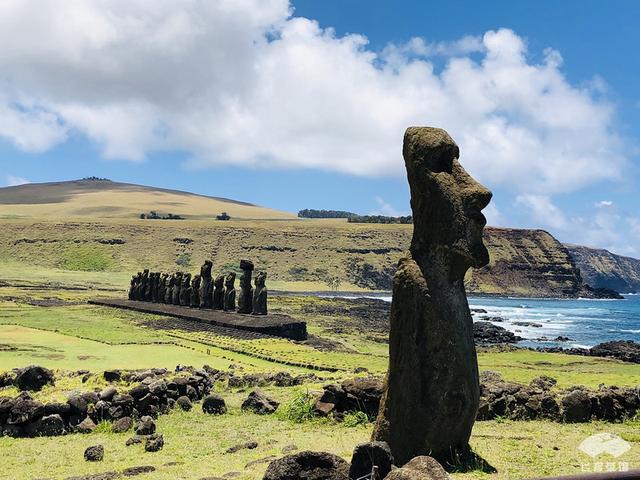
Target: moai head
[[195, 281], [446, 201], [186, 280], [261, 278], [230, 280], [247, 268], [219, 282], [145, 273], [205, 270]]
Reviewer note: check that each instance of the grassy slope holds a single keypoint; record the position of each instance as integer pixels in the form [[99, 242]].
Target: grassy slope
[[100, 199]]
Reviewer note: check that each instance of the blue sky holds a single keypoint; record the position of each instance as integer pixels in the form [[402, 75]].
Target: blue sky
[[305, 108]]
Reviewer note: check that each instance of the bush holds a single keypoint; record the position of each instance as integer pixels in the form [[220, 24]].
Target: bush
[[353, 419], [184, 260], [299, 409]]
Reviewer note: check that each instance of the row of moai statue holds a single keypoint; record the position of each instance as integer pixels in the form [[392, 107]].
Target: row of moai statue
[[202, 290]]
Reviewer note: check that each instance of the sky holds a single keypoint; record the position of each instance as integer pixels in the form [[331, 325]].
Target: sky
[[303, 104]]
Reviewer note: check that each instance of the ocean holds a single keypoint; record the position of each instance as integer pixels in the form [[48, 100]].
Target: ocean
[[585, 322]]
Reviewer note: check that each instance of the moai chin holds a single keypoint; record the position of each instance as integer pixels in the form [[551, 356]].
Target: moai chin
[[230, 292], [218, 293], [205, 284], [431, 390], [260, 295], [245, 300]]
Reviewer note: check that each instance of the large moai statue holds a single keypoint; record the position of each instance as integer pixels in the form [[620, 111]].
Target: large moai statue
[[260, 295], [168, 289], [195, 292], [230, 292], [245, 299], [205, 284], [155, 281], [162, 287], [431, 390], [217, 302], [177, 286], [185, 290], [145, 291], [133, 286]]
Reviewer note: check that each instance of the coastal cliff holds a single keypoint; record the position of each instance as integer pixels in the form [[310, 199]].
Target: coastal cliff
[[529, 263], [603, 269]]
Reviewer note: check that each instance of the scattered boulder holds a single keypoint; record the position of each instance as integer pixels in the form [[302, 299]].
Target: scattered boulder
[[419, 468], [309, 466], [214, 405], [154, 443], [146, 426], [49, 426], [33, 378], [287, 449], [366, 456], [184, 403], [85, 426], [133, 471], [112, 375], [108, 393], [625, 350], [24, 409], [576, 407], [135, 440], [242, 446], [258, 402], [94, 453], [357, 394], [122, 425], [486, 333]]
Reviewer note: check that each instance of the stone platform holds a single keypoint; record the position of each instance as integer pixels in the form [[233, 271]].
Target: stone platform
[[272, 324]]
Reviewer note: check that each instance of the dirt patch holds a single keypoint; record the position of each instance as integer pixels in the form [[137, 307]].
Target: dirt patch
[[86, 357]]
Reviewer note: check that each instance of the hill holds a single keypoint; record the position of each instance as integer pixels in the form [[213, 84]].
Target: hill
[[98, 198], [601, 268]]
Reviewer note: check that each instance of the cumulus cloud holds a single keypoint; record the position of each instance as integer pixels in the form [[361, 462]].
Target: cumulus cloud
[[544, 211], [604, 204], [385, 209], [12, 181], [246, 83]]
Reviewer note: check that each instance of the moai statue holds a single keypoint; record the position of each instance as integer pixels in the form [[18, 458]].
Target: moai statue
[[177, 286], [195, 291], [260, 295], [218, 293], [185, 291], [205, 284], [230, 292], [155, 280], [431, 390], [133, 286], [245, 300], [162, 287], [145, 291], [169, 282]]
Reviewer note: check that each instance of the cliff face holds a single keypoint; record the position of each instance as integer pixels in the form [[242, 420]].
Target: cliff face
[[603, 269], [526, 262]]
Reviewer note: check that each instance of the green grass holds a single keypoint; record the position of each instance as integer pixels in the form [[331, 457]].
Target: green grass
[[85, 258]]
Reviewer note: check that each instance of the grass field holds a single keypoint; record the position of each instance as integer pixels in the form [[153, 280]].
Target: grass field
[[49, 269]]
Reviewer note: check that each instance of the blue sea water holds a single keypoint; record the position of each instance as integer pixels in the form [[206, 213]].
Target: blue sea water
[[586, 322]]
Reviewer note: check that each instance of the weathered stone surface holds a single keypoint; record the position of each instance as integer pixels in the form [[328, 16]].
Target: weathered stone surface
[[218, 293], [146, 426], [205, 287], [86, 426], [419, 468], [230, 292], [625, 350], [432, 388], [184, 403], [214, 405], [133, 471], [112, 375], [308, 466], [576, 407], [242, 446], [94, 453], [49, 426], [33, 378], [258, 402], [366, 456], [260, 295], [24, 409], [122, 425], [245, 299], [154, 443], [486, 333]]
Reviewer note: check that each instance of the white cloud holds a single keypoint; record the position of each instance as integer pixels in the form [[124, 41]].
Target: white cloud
[[494, 215], [544, 211], [242, 82], [385, 209], [604, 204], [12, 181]]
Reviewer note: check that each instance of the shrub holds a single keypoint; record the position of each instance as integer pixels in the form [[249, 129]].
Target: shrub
[[353, 419], [299, 409], [184, 260]]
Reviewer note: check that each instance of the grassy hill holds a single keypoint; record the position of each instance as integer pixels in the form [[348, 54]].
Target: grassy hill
[[90, 198]]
